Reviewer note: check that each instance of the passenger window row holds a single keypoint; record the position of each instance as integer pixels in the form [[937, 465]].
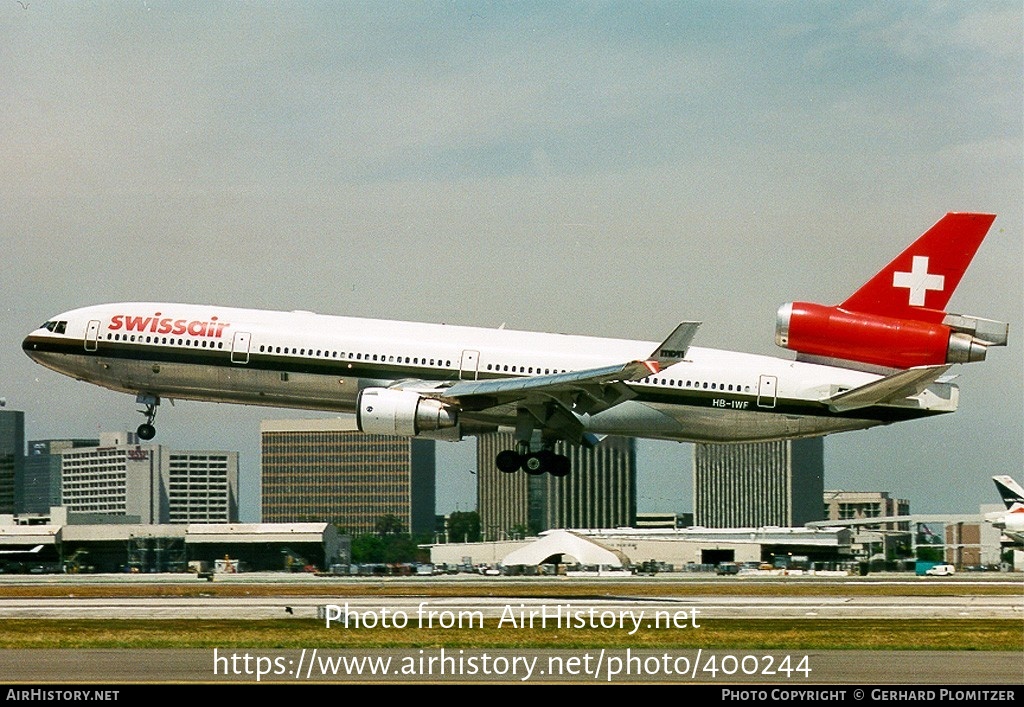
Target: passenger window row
[[354, 356], [167, 341]]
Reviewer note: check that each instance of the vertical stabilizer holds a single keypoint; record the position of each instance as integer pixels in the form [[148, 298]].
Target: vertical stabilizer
[[918, 283]]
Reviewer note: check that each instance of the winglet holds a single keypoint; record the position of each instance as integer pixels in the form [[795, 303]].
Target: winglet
[[673, 349]]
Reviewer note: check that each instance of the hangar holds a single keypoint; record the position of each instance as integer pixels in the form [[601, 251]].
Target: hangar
[[116, 547], [678, 548]]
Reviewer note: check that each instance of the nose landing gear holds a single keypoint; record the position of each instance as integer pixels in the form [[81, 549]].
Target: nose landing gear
[[146, 431]]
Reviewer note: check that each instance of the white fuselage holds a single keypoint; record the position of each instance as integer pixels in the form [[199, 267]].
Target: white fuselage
[[1011, 523], [312, 361]]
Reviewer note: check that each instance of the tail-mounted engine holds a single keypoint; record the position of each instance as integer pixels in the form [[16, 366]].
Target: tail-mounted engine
[[834, 333], [384, 411]]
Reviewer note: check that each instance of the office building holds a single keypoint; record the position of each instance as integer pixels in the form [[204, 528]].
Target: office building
[[854, 505], [149, 483], [322, 470], [600, 492], [758, 484]]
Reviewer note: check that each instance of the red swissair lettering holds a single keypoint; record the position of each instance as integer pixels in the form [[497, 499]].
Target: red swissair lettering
[[158, 324]]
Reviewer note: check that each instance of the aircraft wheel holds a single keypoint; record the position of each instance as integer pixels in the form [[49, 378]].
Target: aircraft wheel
[[560, 465], [533, 464], [146, 431], [508, 461]]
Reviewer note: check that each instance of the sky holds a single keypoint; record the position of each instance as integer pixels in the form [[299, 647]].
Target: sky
[[582, 167]]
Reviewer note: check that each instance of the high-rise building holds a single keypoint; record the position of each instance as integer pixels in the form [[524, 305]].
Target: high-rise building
[[38, 490], [758, 484], [149, 483], [325, 471], [12, 455], [599, 492]]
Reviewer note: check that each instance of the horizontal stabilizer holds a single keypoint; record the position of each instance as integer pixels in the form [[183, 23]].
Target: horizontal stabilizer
[[887, 390], [673, 349]]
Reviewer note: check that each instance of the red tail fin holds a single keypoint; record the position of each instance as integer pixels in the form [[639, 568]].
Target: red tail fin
[[918, 283], [898, 318]]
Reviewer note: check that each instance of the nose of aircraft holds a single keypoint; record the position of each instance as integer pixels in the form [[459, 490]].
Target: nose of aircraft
[[30, 345], [34, 343]]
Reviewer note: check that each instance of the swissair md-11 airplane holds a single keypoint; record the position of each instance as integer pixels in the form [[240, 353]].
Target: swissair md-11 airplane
[[879, 357]]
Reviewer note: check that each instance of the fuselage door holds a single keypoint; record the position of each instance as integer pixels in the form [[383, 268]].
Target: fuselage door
[[766, 391], [468, 367], [92, 335], [240, 347]]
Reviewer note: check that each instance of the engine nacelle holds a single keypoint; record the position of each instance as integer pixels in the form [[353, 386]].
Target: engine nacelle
[[383, 411], [831, 332]]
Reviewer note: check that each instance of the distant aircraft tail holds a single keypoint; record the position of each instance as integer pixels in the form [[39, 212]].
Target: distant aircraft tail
[[33, 551], [1010, 491], [897, 319]]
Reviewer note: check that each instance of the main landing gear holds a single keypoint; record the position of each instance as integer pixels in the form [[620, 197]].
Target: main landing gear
[[146, 430], [544, 461]]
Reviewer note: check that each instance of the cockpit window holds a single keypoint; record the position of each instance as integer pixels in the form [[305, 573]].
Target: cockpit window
[[56, 327]]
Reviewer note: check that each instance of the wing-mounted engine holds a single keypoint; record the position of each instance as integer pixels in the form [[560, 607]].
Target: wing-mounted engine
[[387, 411], [831, 333]]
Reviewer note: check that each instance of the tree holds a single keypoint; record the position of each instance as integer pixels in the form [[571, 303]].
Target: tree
[[389, 524], [464, 527], [518, 532], [367, 548]]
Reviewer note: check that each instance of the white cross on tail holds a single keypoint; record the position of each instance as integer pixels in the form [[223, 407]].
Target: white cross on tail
[[918, 280]]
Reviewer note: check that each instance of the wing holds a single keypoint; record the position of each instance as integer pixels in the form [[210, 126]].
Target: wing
[[552, 403], [556, 403], [585, 392]]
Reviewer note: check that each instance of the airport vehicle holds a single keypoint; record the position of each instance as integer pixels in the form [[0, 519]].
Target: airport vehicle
[[1011, 523], [940, 571], [879, 357]]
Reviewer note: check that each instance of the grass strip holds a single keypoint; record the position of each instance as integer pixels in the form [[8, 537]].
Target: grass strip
[[788, 634]]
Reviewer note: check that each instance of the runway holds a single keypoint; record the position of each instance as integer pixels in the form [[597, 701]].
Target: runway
[[626, 607], [423, 607]]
